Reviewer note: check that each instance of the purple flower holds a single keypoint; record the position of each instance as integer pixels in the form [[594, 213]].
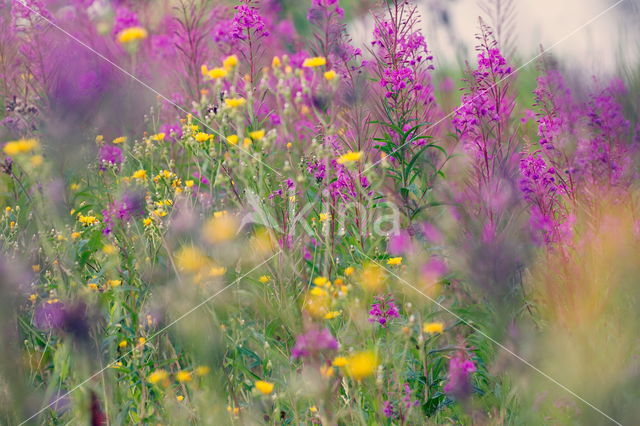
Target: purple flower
[[247, 22], [383, 310], [459, 380], [125, 18], [131, 205], [313, 342], [110, 155]]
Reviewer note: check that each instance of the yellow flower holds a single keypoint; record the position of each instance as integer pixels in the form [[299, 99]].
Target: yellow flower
[[202, 370], [332, 314], [246, 142], [191, 259], [220, 229], [394, 261], [320, 281], [232, 139], [264, 387], [202, 137], [433, 327], [275, 62], [121, 139], [180, 398], [33, 297], [234, 102], [349, 157], [264, 279], [349, 270], [129, 35], [183, 376], [75, 235], [361, 365], [339, 361], [99, 138], [147, 221], [257, 134], [189, 183], [230, 62], [36, 160], [21, 146], [108, 249], [330, 75], [122, 344], [217, 73], [93, 286], [326, 371], [114, 283], [74, 186], [372, 277], [323, 216], [217, 271], [87, 220], [139, 174], [318, 61], [158, 137], [159, 376]]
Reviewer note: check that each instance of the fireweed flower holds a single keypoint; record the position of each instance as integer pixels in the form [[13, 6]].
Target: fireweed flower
[[459, 378], [110, 155], [130, 206], [313, 343], [247, 22], [383, 310]]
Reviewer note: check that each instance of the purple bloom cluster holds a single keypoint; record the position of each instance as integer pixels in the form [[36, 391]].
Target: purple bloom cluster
[[131, 205], [383, 310], [247, 21], [459, 380], [110, 155], [314, 342], [125, 18], [399, 410]]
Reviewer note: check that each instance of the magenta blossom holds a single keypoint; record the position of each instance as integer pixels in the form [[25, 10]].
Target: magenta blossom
[[314, 342], [383, 310], [459, 380]]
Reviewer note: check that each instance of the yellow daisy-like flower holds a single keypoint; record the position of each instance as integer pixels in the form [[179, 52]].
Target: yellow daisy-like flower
[[191, 259], [202, 370], [361, 365], [433, 327], [394, 261], [122, 344], [147, 221], [234, 102], [264, 279], [158, 376], [349, 270], [87, 220], [158, 137], [217, 73], [275, 62], [332, 314], [256, 135], [339, 361], [317, 61], [217, 271], [121, 139], [230, 62], [349, 157], [132, 34], [189, 183], [320, 281], [139, 174], [330, 75], [202, 137], [323, 216], [114, 283], [326, 371], [232, 139], [184, 376], [75, 235], [21, 146], [264, 387]]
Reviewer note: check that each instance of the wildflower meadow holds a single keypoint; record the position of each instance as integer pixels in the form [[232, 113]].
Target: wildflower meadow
[[293, 212]]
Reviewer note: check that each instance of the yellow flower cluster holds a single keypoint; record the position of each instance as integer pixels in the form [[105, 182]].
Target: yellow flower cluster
[[21, 146], [349, 157], [317, 61]]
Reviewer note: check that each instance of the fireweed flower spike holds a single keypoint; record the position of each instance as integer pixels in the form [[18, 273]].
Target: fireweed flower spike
[[383, 310]]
